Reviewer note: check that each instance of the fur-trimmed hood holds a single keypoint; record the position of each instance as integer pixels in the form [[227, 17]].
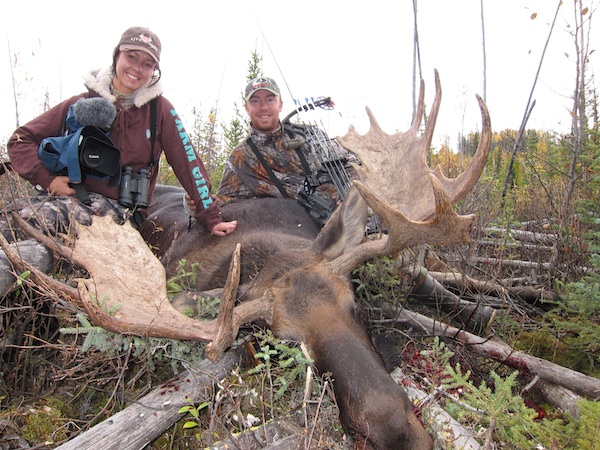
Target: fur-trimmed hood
[[100, 81]]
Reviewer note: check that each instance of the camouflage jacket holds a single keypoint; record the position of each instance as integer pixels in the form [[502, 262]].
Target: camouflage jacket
[[245, 177]]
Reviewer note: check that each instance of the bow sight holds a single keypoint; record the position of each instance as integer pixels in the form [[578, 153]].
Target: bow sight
[[328, 153], [321, 102]]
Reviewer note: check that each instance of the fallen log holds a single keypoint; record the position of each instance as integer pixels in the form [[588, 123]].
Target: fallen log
[[514, 245], [31, 251], [449, 434], [527, 236], [532, 265], [498, 350], [559, 396], [540, 297], [474, 316], [511, 263], [146, 419]]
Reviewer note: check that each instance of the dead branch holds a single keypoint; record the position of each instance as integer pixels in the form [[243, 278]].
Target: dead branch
[[37, 276]]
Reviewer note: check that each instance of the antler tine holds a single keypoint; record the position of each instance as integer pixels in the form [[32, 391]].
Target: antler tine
[[416, 122], [226, 330], [433, 114], [460, 186], [403, 157], [445, 228]]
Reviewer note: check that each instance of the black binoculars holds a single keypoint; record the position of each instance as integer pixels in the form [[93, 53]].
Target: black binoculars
[[133, 191]]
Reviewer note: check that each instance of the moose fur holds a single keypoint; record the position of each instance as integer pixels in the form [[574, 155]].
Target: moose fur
[[282, 256]]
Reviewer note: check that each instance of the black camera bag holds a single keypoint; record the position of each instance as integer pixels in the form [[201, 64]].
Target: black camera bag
[[97, 154]]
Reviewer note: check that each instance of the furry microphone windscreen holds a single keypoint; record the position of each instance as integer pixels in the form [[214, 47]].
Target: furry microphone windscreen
[[95, 111]]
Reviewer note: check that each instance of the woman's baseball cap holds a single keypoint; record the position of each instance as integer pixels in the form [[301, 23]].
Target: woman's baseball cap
[[139, 38]]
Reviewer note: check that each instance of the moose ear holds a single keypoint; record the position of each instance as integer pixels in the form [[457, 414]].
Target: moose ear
[[345, 229]]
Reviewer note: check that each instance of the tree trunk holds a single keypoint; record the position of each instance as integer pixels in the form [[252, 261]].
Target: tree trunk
[[578, 132]]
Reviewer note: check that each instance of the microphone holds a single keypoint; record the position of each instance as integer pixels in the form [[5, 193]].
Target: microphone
[[96, 112]]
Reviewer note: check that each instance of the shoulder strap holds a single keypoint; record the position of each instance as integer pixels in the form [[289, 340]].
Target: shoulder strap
[[152, 162], [303, 161], [287, 129], [310, 181], [272, 176]]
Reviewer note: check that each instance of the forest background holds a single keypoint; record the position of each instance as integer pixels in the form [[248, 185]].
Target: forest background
[[542, 175]]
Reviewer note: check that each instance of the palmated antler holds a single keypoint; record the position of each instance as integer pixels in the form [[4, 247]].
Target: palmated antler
[[126, 292], [413, 200]]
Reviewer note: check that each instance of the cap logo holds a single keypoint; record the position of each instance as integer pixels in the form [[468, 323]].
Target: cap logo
[[147, 40], [260, 83]]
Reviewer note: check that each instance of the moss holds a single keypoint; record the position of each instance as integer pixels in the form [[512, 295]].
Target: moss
[[45, 422]]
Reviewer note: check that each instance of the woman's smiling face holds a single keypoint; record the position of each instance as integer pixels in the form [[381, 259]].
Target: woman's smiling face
[[133, 70]]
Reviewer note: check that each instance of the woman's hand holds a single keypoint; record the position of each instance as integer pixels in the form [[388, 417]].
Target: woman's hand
[[190, 205], [224, 228], [60, 186], [220, 229]]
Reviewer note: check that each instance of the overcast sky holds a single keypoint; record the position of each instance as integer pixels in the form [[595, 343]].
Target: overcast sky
[[359, 53]]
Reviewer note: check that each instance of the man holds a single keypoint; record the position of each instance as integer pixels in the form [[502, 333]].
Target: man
[[276, 160]]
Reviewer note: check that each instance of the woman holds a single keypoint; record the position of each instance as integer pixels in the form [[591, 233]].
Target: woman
[[131, 83]]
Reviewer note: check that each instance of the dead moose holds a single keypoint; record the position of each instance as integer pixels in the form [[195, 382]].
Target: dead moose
[[287, 273]]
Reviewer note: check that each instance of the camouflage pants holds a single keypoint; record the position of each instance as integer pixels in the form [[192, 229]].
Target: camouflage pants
[[53, 214]]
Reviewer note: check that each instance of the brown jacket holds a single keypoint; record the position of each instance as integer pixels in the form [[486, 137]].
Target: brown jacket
[[130, 133]]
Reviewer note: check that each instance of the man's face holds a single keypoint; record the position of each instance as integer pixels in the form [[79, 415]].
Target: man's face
[[264, 108]]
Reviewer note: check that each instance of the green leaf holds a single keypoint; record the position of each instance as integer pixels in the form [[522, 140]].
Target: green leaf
[[201, 406], [185, 409]]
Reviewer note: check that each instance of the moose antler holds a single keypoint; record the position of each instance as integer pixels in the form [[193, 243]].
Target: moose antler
[[112, 296], [418, 207]]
